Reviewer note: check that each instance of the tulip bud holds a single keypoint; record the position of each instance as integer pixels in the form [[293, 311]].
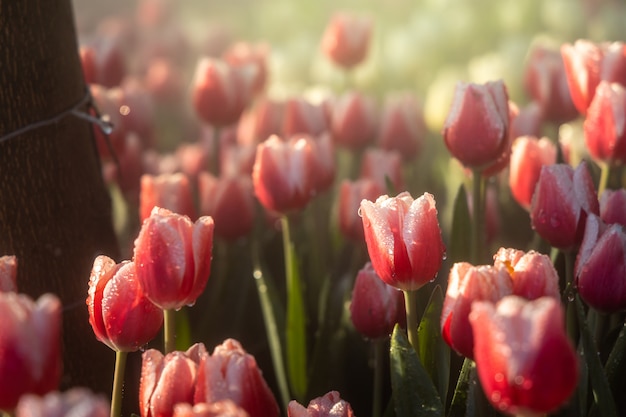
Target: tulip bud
[[329, 405], [476, 130], [375, 307], [224, 408], [8, 273], [30, 344], [168, 380], [169, 191], [346, 39], [351, 193], [403, 239], [243, 54], [173, 258], [354, 120], [119, 312], [601, 266], [527, 158], [613, 206], [402, 126], [260, 122], [231, 373], [525, 362], [526, 121], [383, 167], [533, 273], [303, 117], [76, 402], [466, 284]]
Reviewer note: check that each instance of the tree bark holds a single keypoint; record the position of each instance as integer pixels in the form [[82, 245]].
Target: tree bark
[[54, 208]]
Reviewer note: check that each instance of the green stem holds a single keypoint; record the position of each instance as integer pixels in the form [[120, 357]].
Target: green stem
[[605, 170], [379, 361], [169, 330], [478, 218], [118, 383], [410, 303]]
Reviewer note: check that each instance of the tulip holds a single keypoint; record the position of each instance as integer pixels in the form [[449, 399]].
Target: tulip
[[476, 130], [243, 54], [346, 39], [8, 273], [527, 158], [103, 62], [525, 362], [384, 167], [563, 197], [260, 122], [526, 121], [533, 273], [403, 239], [605, 124], [402, 126], [375, 307], [231, 373], [601, 266], [76, 402], [303, 117], [467, 284], [613, 206], [121, 316], [354, 120], [283, 173], [224, 408], [351, 193], [173, 257], [168, 380], [323, 163], [329, 405], [169, 191], [30, 346], [164, 81]]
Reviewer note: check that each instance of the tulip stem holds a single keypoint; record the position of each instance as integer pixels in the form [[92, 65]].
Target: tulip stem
[[169, 330], [379, 357], [605, 170], [118, 383], [410, 303], [478, 220]]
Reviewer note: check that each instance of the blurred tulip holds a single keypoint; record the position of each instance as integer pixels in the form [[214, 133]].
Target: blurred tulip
[[173, 258], [329, 405], [384, 167], [8, 273], [119, 313], [229, 201], [467, 284], [136, 107], [260, 122], [476, 130], [283, 173], [323, 159], [402, 125], [587, 63], [232, 373], [351, 193], [193, 158], [87, 56], [375, 307], [30, 346], [346, 39], [164, 81], [527, 157], [605, 124], [525, 362], [546, 83], [170, 191], [601, 266], [75, 402], [613, 206], [103, 62], [168, 380], [403, 239], [533, 273], [303, 117], [561, 202], [526, 121], [220, 92], [354, 120], [246, 54], [108, 103], [224, 408]]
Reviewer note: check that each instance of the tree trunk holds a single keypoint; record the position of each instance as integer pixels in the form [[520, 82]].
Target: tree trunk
[[54, 208]]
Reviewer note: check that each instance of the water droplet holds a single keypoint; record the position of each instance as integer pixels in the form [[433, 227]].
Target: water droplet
[[518, 380], [496, 396], [359, 213], [499, 377], [257, 274]]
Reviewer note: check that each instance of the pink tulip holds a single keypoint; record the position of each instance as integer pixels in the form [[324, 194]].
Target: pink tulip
[[121, 316], [169, 191], [383, 167], [173, 258], [613, 206], [402, 125], [329, 405], [303, 117], [533, 273], [76, 402], [525, 362], [346, 39], [243, 54], [403, 239], [527, 158], [354, 120], [8, 273], [223, 408], [260, 122], [351, 193]]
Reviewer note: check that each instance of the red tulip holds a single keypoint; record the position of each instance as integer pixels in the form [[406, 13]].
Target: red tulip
[[601, 266], [383, 167], [354, 120], [260, 122], [169, 191], [525, 362], [346, 39], [173, 257], [120, 314], [224, 408], [8, 273], [375, 307], [76, 402], [403, 239], [476, 130], [231, 373], [30, 346], [527, 158], [605, 124], [613, 206], [329, 405], [303, 117], [467, 284], [351, 193], [563, 197], [168, 380], [533, 273], [243, 54], [323, 163], [402, 126]]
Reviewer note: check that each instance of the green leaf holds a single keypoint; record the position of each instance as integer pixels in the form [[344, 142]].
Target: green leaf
[[414, 394], [460, 240], [459, 408], [433, 350]]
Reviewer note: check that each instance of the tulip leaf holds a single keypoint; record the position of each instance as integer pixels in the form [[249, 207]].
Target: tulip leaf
[[460, 240], [433, 350], [459, 405], [414, 394], [602, 395]]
